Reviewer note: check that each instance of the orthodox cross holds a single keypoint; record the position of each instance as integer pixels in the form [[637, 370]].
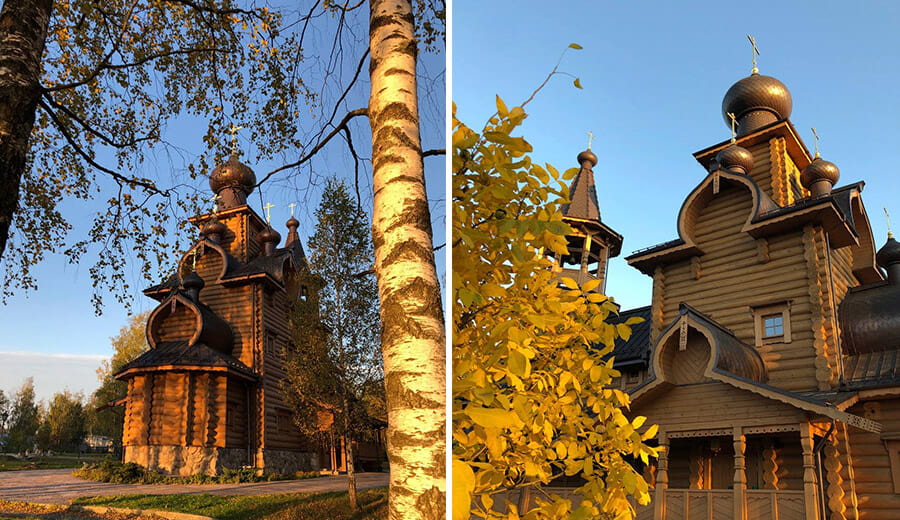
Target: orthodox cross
[[267, 207], [215, 200], [733, 123], [590, 139], [292, 206], [755, 52], [233, 131], [887, 217], [816, 137]]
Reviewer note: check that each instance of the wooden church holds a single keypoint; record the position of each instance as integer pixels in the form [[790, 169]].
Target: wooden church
[[770, 354], [208, 395]]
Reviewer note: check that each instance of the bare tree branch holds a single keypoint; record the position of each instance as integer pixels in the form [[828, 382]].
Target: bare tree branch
[[106, 139], [121, 179], [436, 151], [350, 115]]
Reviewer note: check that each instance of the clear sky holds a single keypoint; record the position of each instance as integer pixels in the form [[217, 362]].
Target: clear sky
[[53, 335], [654, 74]]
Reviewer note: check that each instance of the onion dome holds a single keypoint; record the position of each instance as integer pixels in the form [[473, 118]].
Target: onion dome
[[232, 181], [214, 230], [292, 225], [756, 101], [269, 238], [889, 253], [588, 156], [819, 176], [735, 158], [193, 284]]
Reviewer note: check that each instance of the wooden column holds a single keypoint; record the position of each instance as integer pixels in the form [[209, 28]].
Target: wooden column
[[662, 477], [740, 474], [809, 473]]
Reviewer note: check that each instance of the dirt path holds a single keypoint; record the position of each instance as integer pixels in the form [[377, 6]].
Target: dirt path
[[58, 486]]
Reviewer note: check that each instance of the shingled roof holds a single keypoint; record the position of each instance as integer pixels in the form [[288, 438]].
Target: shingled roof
[[636, 350], [179, 354]]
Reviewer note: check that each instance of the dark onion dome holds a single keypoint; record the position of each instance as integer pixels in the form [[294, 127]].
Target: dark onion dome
[[756, 101], [212, 228], [232, 174], [819, 176], [735, 158], [193, 281], [588, 156], [292, 223], [889, 253], [268, 235], [818, 170], [193, 284]]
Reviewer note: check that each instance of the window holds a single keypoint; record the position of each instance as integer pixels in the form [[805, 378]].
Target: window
[[772, 323]]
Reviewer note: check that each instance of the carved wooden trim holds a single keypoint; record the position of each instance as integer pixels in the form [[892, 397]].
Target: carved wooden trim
[[781, 187], [762, 250], [810, 485], [659, 299], [700, 433], [817, 299], [834, 492], [781, 428]]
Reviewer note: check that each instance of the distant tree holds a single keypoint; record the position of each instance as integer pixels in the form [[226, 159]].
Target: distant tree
[[4, 411], [339, 354], [23, 419], [64, 420], [130, 343]]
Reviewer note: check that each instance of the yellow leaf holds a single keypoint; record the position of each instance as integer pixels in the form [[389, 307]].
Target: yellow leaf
[[575, 46], [501, 108], [463, 485], [577, 82], [568, 282]]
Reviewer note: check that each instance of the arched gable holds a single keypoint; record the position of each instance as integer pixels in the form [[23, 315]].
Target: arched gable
[[180, 318], [864, 267], [225, 262], [706, 191]]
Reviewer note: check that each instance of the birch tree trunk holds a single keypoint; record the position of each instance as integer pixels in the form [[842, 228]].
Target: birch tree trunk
[[23, 30], [413, 343], [348, 456]]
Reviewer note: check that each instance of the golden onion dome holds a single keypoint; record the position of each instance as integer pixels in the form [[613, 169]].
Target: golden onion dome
[[232, 174], [818, 170], [735, 158], [756, 101]]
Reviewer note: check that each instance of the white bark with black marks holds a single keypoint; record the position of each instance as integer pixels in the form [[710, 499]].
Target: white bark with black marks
[[413, 343]]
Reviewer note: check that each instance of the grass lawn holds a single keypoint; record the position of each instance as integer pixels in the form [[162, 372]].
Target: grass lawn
[[61, 461], [298, 506], [25, 511]]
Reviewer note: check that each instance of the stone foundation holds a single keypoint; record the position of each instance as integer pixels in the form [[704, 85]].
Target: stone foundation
[[284, 461], [186, 460], [191, 460]]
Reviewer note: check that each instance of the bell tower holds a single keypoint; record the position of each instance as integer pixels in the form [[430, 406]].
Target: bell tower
[[591, 243]]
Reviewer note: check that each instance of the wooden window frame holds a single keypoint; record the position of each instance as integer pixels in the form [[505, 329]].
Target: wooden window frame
[[760, 312], [892, 445]]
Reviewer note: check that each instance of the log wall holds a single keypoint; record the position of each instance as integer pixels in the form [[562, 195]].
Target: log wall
[[732, 261], [871, 462], [712, 406]]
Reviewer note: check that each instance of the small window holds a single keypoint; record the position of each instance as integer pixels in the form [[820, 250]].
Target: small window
[[772, 323]]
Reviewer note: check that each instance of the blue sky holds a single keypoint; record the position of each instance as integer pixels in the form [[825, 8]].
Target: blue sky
[[53, 333], [654, 75]]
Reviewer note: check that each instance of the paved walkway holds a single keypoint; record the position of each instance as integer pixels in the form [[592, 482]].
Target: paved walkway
[[58, 486]]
